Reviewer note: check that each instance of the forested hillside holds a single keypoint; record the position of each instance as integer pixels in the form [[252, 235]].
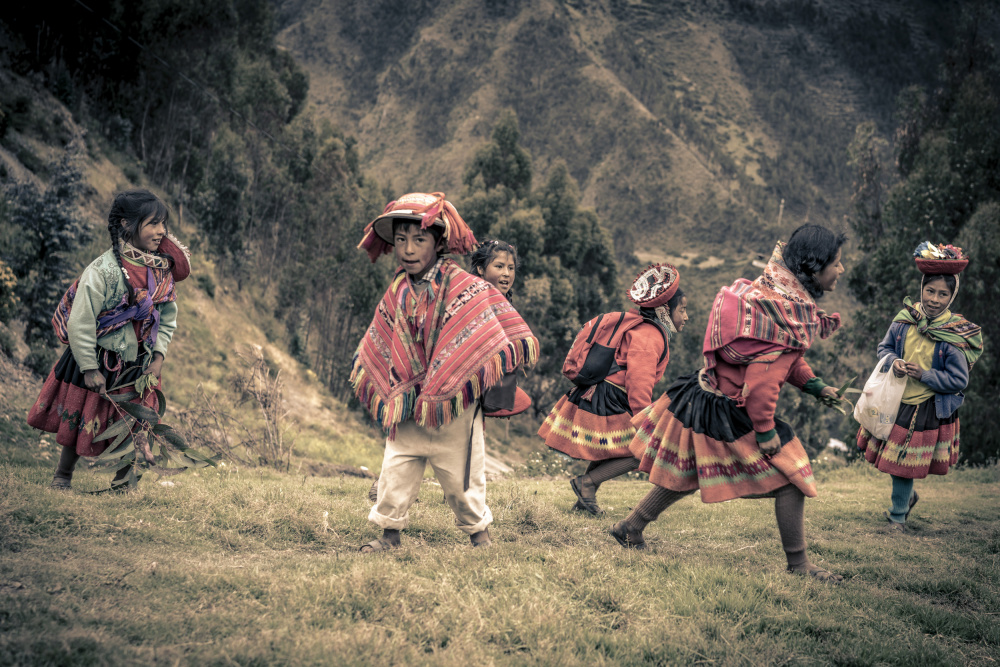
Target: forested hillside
[[684, 123], [595, 134]]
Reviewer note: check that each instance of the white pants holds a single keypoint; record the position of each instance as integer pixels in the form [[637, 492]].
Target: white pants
[[446, 449]]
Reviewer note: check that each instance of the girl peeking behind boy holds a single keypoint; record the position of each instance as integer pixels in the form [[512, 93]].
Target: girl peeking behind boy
[[117, 318]]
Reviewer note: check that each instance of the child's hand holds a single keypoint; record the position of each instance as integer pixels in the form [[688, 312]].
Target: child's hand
[[155, 366], [899, 368], [95, 382], [772, 446], [829, 392], [914, 370]]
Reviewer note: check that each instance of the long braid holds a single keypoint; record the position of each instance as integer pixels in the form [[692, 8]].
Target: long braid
[[114, 229]]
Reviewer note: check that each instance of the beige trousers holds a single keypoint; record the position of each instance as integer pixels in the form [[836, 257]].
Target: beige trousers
[[406, 457]]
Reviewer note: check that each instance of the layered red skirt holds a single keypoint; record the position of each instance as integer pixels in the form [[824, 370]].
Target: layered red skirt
[[919, 443], [77, 415], [692, 438], [591, 427]]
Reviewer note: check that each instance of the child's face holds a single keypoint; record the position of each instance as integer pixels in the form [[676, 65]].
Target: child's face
[[415, 249], [500, 272], [679, 316], [828, 276], [149, 235], [935, 297]]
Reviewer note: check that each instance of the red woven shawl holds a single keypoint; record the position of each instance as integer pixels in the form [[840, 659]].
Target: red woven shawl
[[755, 321], [429, 355]]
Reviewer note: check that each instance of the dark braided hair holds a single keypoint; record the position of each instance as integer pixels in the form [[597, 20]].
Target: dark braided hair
[[811, 249], [484, 254], [133, 207]]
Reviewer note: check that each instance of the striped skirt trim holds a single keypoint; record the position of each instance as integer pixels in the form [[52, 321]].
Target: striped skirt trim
[[919, 444], [575, 428], [711, 446]]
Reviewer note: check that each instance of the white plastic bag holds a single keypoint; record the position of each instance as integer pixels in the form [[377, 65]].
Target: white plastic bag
[[878, 404]]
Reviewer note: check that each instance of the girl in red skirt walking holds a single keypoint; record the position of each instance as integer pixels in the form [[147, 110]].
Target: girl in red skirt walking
[[716, 431], [594, 423], [935, 349], [117, 319]]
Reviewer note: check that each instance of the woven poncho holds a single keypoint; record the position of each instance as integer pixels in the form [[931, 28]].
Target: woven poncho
[[428, 355], [753, 321]]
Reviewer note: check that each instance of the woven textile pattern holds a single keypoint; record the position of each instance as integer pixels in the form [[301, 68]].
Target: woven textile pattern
[[428, 355]]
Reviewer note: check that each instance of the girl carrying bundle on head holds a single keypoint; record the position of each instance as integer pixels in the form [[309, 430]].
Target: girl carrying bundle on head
[[117, 319], [935, 349], [593, 421], [716, 431]]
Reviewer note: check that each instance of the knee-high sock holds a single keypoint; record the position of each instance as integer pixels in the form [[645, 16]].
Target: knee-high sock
[[650, 507], [611, 468], [902, 491], [67, 461], [789, 508]]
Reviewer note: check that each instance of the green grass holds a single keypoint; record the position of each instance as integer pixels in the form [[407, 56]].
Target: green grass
[[242, 566]]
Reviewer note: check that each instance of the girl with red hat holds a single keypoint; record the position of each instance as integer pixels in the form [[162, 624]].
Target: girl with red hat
[[117, 319], [716, 431], [935, 350], [594, 422]]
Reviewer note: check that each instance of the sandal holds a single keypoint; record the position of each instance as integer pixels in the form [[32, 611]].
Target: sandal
[[381, 544], [584, 503], [818, 573], [894, 526], [620, 533], [913, 501], [481, 539]]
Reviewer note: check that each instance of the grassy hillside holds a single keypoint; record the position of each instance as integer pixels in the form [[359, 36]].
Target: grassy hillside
[[684, 123], [237, 566]]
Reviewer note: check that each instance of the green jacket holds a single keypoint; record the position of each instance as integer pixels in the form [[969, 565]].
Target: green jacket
[[101, 287]]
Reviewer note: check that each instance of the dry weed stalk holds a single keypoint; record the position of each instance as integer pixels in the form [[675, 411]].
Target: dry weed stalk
[[215, 425]]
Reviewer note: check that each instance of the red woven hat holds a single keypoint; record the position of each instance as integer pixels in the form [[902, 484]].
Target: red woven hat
[[180, 255], [427, 209], [654, 285], [521, 403]]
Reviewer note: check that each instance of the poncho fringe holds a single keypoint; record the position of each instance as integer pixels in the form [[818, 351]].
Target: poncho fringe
[[486, 314]]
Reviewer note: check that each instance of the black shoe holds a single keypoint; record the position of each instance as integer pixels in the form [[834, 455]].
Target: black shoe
[[586, 504]]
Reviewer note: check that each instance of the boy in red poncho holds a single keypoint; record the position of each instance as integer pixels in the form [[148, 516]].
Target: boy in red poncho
[[440, 337]]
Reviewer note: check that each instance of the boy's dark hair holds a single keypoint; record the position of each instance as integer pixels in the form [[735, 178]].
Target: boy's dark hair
[[811, 249], [133, 207], [949, 280], [437, 231]]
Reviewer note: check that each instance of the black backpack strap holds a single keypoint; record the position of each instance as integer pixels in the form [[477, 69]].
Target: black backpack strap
[[663, 332], [593, 330]]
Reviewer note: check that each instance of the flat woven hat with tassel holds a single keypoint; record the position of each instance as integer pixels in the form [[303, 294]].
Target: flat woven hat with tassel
[[429, 210]]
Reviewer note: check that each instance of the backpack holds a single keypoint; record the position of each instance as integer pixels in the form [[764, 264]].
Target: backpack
[[592, 356]]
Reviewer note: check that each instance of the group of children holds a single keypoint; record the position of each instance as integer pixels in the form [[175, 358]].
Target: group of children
[[445, 346]]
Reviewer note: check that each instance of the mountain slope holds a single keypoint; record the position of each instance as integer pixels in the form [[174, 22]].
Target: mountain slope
[[674, 117]]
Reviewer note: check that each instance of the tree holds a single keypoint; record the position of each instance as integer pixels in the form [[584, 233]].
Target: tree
[[948, 159]]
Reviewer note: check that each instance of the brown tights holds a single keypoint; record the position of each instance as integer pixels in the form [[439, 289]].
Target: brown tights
[[789, 505]]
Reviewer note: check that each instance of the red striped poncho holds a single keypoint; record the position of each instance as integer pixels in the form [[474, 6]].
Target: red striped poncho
[[757, 321], [428, 355]]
